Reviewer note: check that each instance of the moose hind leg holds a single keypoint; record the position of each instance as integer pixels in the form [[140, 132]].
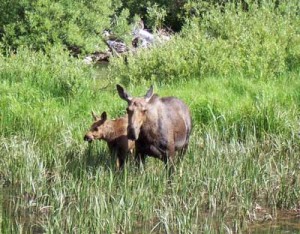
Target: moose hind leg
[[170, 160]]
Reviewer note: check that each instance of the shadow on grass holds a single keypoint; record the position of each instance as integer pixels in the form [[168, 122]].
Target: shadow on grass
[[93, 158]]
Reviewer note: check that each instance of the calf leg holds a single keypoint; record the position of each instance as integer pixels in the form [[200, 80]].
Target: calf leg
[[120, 163], [121, 158]]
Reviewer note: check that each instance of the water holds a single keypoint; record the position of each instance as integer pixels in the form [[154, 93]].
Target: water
[[15, 217], [285, 222]]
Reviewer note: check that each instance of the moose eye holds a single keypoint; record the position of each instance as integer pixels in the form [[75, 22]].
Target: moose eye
[[144, 109], [96, 129]]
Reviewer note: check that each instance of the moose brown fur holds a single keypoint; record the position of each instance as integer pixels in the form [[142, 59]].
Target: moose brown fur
[[160, 126], [114, 132]]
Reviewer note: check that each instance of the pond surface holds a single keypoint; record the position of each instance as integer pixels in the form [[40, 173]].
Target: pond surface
[[285, 222], [18, 214]]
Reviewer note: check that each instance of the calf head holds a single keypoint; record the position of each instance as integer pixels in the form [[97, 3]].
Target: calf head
[[97, 129], [137, 110]]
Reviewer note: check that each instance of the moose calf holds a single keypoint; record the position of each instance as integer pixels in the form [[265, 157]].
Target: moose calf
[[114, 132]]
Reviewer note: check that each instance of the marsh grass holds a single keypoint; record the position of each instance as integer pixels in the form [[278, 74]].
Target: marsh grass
[[237, 71], [216, 186], [243, 153], [239, 74]]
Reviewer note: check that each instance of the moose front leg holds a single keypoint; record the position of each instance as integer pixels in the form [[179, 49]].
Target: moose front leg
[[140, 160]]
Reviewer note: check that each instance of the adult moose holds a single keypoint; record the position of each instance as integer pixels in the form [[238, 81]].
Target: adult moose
[[114, 132], [160, 126]]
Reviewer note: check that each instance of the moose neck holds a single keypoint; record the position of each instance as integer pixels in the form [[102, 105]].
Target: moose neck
[[115, 129], [151, 123]]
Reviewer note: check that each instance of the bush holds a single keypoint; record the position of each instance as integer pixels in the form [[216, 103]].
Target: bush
[[38, 24], [261, 42], [172, 14], [155, 13]]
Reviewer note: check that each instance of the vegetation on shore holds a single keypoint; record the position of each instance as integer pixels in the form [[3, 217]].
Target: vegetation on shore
[[237, 70]]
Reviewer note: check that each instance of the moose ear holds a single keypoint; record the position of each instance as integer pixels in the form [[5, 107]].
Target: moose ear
[[149, 94], [95, 117], [123, 94], [104, 116]]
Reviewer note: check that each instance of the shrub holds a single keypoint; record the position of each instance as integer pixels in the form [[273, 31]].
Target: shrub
[[41, 23], [261, 42]]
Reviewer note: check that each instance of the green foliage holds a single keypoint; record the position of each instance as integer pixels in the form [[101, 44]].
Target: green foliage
[[256, 42], [261, 42], [31, 86], [173, 14], [244, 151], [156, 16], [167, 13], [120, 26], [42, 23], [37, 70]]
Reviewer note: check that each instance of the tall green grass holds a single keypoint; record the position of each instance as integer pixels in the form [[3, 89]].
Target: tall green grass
[[239, 74], [244, 151]]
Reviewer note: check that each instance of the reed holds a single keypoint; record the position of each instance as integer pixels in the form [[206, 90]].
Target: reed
[[243, 154]]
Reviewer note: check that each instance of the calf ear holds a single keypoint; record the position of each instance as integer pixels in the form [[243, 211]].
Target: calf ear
[[104, 116], [123, 94], [95, 117], [149, 94]]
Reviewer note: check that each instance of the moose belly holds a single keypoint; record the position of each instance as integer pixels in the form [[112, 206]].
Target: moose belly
[[151, 150]]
